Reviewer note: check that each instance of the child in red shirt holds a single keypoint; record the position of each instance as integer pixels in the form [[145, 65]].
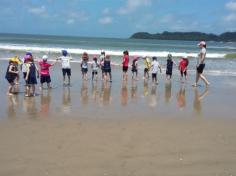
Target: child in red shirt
[[125, 65], [44, 72], [183, 65]]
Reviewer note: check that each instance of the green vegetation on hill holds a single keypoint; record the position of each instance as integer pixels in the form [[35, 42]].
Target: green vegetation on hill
[[189, 36]]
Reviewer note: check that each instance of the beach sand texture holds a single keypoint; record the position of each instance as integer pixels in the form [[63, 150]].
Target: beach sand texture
[[118, 129]]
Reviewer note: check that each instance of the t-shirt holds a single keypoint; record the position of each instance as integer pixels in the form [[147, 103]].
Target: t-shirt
[[65, 61], [95, 66], [84, 64], [44, 68], [155, 66], [147, 63], [202, 52], [24, 68], [126, 61], [183, 64]]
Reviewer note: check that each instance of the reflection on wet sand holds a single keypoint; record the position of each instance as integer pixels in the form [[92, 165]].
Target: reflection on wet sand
[[168, 92], [181, 99], [198, 97], [124, 94], [13, 105], [95, 92], [66, 100], [145, 88], [30, 107], [45, 102], [134, 89], [154, 97], [105, 94], [84, 93]]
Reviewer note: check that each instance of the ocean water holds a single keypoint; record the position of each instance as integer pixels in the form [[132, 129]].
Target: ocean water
[[217, 64]]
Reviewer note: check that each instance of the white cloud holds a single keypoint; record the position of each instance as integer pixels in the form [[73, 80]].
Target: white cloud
[[70, 21], [105, 20], [231, 5], [37, 10], [106, 11], [132, 5], [230, 18], [80, 16]]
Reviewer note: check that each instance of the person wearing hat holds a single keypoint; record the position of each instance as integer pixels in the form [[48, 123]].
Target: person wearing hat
[[44, 72], [66, 68], [183, 66], [201, 64], [11, 74]]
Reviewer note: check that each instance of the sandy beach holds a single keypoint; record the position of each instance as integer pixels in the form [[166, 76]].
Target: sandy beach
[[120, 128]]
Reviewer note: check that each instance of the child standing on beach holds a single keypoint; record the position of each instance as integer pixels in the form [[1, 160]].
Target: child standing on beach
[[66, 68], [11, 75], [84, 66], [44, 72], [147, 66], [183, 65], [31, 78], [101, 60], [95, 67], [169, 66], [154, 68], [135, 68], [107, 68], [125, 64]]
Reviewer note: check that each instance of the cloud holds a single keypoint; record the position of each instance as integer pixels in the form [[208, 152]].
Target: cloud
[[230, 18], [231, 5], [37, 10], [132, 5], [70, 21], [106, 11], [105, 20]]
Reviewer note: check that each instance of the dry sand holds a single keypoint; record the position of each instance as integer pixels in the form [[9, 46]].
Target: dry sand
[[135, 147]]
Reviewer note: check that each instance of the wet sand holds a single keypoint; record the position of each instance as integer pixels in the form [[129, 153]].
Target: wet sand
[[129, 128]]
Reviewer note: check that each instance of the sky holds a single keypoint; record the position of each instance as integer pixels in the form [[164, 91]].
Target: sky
[[116, 18]]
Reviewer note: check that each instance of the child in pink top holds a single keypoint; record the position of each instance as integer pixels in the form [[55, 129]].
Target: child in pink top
[[44, 72]]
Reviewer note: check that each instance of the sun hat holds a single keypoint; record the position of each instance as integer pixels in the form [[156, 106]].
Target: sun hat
[[202, 43], [45, 57], [64, 52]]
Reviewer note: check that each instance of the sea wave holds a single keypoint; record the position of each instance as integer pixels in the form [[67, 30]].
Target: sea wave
[[10, 47]]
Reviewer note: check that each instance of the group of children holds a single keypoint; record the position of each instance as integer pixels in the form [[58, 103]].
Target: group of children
[[31, 72]]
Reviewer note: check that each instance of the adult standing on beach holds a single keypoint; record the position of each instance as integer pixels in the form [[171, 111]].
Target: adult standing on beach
[[201, 64], [66, 68]]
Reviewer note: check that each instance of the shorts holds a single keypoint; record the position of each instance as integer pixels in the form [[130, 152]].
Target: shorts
[[45, 78], [169, 72], [66, 71], [200, 68], [24, 74], [107, 70], [95, 72], [154, 76], [125, 69], [146, 70], [11, 79], [183, 73], [84, 70], [134, 70], [31, 81]]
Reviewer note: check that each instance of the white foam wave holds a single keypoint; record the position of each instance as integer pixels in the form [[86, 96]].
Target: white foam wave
[[10, 47]]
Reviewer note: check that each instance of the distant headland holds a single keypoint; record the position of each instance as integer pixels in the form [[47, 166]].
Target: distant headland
[[189, 36]]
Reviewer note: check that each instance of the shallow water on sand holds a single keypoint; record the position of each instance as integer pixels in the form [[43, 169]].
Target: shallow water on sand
[[87, 99]]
